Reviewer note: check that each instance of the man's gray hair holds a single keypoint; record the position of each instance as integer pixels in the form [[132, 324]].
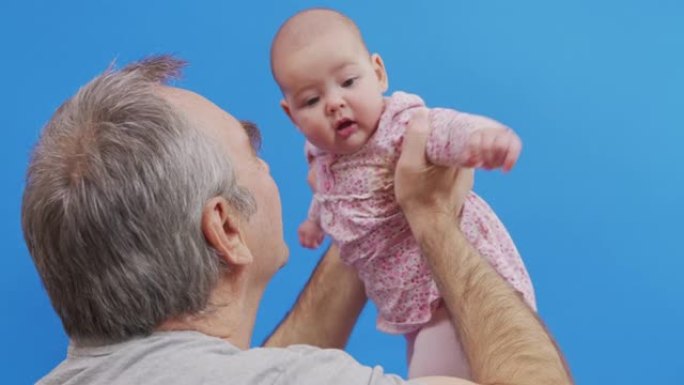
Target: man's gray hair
[[113, 202]]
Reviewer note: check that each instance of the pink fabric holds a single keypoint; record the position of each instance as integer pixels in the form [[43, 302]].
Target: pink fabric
[[354, 203]]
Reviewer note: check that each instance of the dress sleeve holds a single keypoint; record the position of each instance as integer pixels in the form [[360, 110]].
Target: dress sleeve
[[450, 132]]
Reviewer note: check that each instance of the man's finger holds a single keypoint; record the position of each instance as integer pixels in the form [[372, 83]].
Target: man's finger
[[415, 139], [465, 179]]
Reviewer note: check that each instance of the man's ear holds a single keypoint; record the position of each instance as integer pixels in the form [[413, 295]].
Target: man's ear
[[380, 72], [286, 108], [222, 229]]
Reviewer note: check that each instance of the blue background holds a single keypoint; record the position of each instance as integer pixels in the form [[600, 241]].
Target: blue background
[[594, 88]]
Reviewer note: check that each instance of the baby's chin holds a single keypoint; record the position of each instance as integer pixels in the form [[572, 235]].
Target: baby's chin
[[350, 144], [349, 147]]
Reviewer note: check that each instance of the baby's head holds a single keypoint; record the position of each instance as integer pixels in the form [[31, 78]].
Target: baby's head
[[332, 86]]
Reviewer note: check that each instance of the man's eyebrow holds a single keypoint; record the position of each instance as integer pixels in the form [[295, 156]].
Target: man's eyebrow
[[253, 134]]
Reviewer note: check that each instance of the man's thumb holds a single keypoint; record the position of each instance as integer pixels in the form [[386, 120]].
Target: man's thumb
[[416, 136]]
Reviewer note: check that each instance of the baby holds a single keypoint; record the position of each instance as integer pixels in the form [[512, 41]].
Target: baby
[[333, 92]]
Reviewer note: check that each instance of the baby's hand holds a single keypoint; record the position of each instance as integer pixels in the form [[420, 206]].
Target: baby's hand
[[310, 234], [311, 178], [492, 148]]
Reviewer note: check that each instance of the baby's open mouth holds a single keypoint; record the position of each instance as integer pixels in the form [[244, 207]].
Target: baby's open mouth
[[346, 127], [344, 123]]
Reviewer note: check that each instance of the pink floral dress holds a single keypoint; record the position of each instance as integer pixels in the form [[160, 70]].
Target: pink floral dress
[[354, 203]]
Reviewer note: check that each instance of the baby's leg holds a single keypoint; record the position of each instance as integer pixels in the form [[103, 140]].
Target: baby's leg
[[434, 350]]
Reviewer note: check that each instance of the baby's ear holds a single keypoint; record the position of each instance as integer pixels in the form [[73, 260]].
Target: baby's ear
[[380, 71], [286, 108]]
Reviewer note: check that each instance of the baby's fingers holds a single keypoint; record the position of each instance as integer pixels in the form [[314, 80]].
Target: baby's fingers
[[473, 151], [495, 149], [513, 153]]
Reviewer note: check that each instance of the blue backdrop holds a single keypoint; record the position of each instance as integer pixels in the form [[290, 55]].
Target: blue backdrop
[[594, 88]]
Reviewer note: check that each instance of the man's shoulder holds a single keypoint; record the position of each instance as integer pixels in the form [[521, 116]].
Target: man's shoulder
[[181, 358]]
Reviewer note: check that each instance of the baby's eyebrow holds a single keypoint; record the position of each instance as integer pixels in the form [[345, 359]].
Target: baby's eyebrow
[[345, 65], [253, 134], [301, 90], [297, 91]]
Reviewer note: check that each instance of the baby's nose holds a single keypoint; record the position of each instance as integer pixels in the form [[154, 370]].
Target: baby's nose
[[335, 102]]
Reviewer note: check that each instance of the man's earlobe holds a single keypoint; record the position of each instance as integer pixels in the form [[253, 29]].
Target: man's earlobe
[[222, 228]]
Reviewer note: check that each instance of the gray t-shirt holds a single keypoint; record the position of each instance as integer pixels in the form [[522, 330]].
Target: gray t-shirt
[[188, 357]]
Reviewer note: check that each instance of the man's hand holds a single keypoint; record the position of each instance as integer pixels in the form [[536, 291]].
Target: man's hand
[[310, 234], [492, 148], [424, 190], [513, 347]]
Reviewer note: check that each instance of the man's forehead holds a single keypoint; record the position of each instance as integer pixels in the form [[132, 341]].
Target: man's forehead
[[211, 119], [191, 103], [196, 107]]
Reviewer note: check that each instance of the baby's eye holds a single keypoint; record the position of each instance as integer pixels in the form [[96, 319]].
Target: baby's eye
[[349, 82], [311, 101]]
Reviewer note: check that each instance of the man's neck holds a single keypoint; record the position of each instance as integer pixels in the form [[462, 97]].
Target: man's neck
[[230, 315]]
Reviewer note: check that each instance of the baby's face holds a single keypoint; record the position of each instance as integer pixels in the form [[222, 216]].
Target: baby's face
[[333, 91]]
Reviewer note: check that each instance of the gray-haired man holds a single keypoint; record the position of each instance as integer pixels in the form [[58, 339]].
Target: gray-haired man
[[155, 228]]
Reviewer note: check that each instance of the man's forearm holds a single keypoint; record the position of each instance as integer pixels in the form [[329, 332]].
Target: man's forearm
[[326, 310], [504, 340]]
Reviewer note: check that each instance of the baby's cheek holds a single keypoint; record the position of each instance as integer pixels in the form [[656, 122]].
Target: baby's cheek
[[310, 121], [314, 132]]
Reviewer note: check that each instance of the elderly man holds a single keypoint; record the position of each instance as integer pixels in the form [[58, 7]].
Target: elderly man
[[155, 228]]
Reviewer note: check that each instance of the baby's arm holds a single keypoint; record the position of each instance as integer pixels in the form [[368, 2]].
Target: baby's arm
[[467, 140], [310, 232]]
